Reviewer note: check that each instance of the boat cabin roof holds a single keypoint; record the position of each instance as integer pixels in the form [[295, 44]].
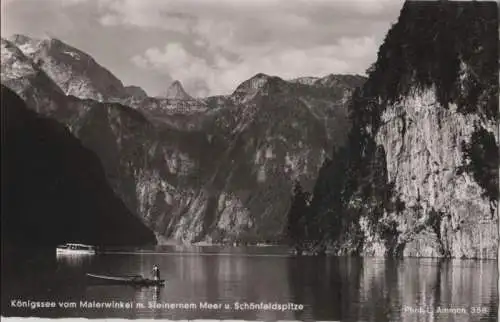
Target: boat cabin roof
[[79, 245]]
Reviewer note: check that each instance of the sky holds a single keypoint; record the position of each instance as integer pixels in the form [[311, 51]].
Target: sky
[[211, 46]]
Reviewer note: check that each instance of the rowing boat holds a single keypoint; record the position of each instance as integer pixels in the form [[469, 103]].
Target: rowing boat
[[128, 279]]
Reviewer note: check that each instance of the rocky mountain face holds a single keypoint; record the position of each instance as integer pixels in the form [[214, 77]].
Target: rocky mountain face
[[54, 190], [176, 92], [75, 72], [135, 92], [215, 169], [419, 175], [21, 75]]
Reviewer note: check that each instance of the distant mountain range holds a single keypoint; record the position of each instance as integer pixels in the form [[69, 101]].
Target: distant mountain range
[[214, 169]]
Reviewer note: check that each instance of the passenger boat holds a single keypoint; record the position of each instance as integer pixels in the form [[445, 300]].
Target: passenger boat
[[71, 248], [138, 280]]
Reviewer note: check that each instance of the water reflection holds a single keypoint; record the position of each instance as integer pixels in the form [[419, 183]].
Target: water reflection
[[395, 290], [347, 289], [316, 284], [74, 260]]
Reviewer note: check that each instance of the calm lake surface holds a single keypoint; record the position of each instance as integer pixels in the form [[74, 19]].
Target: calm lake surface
[[331, 288]]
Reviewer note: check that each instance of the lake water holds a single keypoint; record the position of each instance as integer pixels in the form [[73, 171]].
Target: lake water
[[331, 288]]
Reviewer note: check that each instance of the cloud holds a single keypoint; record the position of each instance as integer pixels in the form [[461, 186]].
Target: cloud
[[71, 2], [236, 40], [247, 23], [221, 76], [20, 15], [145, 14], [5, 3]]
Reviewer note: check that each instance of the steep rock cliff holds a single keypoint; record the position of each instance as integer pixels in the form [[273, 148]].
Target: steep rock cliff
[[54, 190], [419, 176]]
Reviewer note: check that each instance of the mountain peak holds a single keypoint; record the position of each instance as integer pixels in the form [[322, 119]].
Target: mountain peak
[[23, 41], [31, 45], [74, 71], [19, 39], [261, 78], [135, 91], [176, 91], [257, 83], [261, 75]]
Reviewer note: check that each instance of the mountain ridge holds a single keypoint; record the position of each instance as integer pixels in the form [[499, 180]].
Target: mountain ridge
[[154, 151]]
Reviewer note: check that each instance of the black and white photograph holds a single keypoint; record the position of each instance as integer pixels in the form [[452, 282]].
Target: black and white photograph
[[250, 160]]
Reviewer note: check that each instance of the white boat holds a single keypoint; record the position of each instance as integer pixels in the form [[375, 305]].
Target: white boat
[[71, 248]]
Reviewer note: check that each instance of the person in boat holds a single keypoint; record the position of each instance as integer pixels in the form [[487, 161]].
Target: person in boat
[[156, 273]]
